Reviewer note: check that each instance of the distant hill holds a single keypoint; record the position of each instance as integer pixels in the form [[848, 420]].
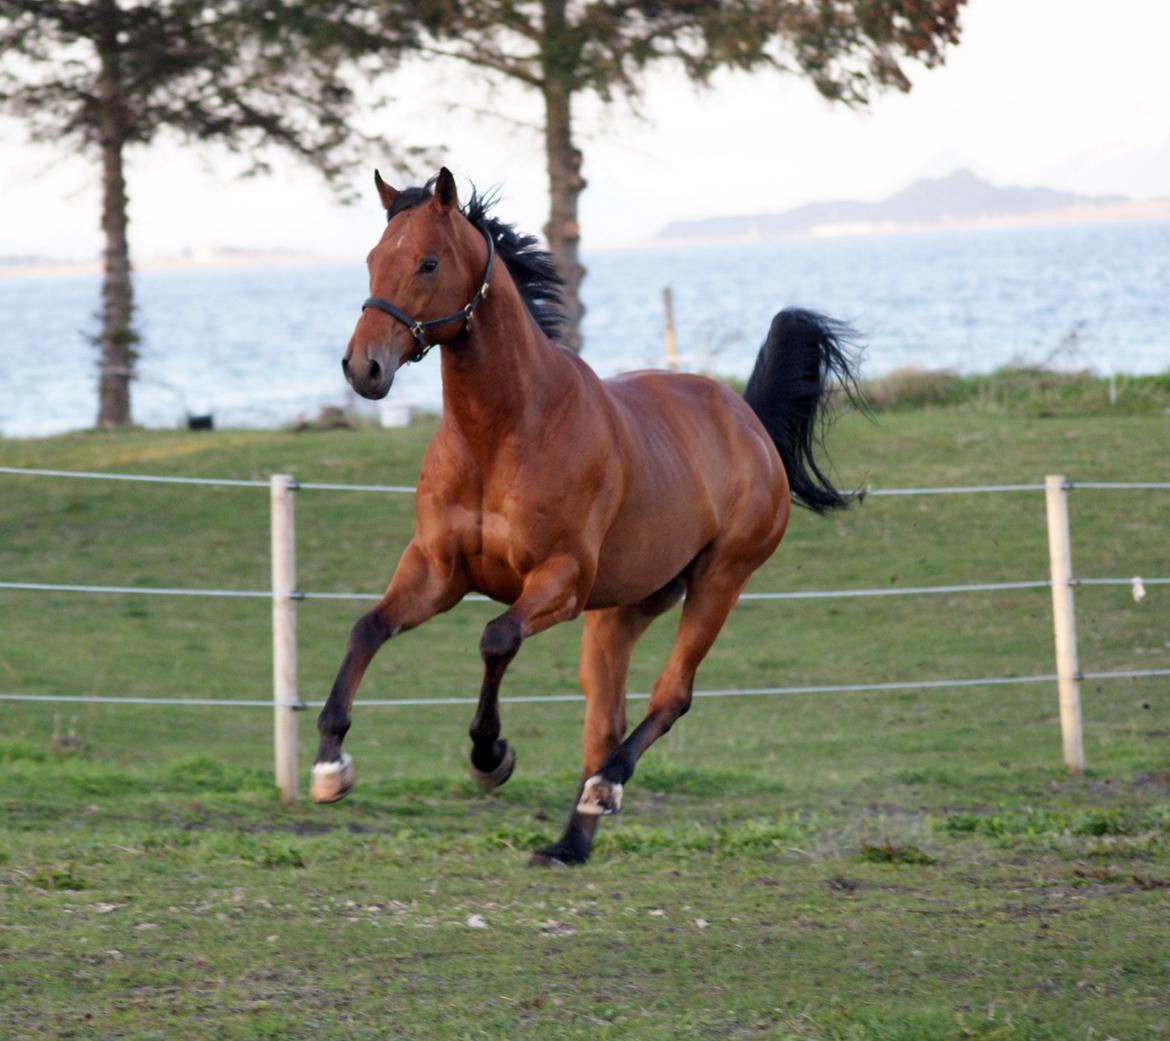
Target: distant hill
[[959, 198]]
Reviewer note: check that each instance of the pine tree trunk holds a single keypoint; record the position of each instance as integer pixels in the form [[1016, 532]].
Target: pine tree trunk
[[564, 176], [117, 335]]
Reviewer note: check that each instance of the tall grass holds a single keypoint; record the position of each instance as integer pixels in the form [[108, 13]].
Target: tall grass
[[1024, 391]]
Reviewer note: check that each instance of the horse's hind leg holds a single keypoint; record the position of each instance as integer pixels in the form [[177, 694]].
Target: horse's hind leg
[[551, 594], [710, 596], [607, 644]]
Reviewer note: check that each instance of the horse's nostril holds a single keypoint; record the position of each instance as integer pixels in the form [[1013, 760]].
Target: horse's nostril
[[375, 369], [345, 366]]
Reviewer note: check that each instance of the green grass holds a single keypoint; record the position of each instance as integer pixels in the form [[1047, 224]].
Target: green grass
[[886, 867], [1021, 391]]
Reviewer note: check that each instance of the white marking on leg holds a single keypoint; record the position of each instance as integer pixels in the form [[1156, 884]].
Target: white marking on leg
[[330, 781], [600, 797], [335, 767]]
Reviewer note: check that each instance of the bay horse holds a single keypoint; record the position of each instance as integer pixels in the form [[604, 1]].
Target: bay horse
[[556, 493]]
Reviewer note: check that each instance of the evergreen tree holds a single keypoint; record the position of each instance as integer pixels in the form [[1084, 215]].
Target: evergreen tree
[[105, 76], [564, 48]]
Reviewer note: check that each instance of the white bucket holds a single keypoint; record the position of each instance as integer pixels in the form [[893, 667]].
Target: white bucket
[[394, 413]]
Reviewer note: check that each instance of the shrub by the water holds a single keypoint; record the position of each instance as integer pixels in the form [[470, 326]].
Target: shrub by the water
[[1026, 391]]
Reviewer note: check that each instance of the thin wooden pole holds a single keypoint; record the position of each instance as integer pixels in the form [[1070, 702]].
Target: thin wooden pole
[[671, 345], [1064, 623], [284, 636]]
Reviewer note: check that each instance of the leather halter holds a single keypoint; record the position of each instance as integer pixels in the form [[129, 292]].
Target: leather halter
[[419, 329]]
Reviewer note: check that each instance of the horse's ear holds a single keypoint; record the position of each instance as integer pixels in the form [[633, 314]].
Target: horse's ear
[[387, 194], [445, 194]]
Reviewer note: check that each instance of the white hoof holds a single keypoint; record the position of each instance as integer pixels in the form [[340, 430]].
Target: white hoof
[[331, 781], [599, 797]]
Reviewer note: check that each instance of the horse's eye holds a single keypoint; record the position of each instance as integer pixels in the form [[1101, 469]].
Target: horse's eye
[[427, 265]]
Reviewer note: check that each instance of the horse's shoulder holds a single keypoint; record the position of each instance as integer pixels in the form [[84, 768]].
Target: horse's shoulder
[[447, 464]]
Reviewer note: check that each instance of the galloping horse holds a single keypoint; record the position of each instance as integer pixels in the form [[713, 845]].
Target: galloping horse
[[557, 493]]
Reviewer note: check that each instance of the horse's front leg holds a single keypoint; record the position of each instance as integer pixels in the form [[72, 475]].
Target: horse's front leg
[[421, 588], [553, 592]]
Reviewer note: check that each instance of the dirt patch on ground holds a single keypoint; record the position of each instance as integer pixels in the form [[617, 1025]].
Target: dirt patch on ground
[[1119, 879]]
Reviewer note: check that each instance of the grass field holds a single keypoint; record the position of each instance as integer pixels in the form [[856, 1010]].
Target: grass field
[[896, 866]]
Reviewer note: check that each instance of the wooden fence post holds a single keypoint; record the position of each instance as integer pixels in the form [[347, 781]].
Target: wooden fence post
[[671, 345], [1068, 672], [284, 636]]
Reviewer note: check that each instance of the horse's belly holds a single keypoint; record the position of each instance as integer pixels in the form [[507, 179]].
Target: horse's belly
[[641, 556], [614, 590]]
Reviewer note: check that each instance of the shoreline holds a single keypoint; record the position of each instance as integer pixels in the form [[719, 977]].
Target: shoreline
[[1014, 390], [198, 262], [1146, 211]]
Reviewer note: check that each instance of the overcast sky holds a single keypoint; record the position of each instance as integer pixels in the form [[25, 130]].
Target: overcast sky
[[1072, 94]]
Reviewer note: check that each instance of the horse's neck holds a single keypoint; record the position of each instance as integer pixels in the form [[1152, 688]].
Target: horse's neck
[[501, 377]]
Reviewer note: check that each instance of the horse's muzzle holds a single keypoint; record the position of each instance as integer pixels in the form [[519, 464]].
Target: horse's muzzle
[[370, 377]]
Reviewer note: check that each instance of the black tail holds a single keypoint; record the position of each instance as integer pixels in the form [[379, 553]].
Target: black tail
[[790, 390]]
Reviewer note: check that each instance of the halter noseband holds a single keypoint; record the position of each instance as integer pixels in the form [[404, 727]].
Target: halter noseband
[[419, 329]]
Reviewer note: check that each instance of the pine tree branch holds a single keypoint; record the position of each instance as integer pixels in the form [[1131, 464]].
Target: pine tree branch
[[506, 65]]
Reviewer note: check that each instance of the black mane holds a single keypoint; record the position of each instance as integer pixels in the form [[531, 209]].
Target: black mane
[[531, 267]]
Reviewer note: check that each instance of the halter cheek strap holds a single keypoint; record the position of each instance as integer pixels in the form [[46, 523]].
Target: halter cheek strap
[[419, 329]]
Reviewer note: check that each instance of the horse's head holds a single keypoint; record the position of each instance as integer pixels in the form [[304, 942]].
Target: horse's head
[[427, 274]]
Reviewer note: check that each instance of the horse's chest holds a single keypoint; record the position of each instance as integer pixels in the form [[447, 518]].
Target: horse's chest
[[498, 548], [503, 527]]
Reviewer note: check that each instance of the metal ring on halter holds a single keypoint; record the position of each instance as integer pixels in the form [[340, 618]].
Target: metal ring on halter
[[419, 329]]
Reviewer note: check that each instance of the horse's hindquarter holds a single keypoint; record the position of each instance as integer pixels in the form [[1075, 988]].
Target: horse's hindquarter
[[698, 467]]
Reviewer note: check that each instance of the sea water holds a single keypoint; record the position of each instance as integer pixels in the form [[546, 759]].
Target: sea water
[[261, 346]]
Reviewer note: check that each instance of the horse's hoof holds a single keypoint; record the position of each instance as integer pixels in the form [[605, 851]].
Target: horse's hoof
[[560, 854], [599, 797], [490, 779], [547, 858], [331, 781]]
